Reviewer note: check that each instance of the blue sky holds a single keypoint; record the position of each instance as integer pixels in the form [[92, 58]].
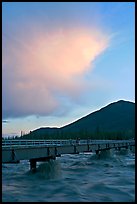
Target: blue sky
[[62, 61]]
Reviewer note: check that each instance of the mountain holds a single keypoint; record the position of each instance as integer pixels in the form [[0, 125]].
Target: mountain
[[114, 117], [114, 121]]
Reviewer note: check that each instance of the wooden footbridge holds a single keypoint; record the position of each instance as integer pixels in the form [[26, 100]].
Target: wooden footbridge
[[43, 150]]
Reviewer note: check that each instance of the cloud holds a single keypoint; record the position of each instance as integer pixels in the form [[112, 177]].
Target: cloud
[[43, 68]]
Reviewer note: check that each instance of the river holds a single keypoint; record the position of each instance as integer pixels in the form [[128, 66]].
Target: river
[[84, 177]]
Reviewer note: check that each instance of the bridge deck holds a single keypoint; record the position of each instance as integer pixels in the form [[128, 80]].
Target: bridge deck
[[40, 150]]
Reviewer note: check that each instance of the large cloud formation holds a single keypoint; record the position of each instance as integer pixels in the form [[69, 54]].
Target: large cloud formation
[[43, 68]]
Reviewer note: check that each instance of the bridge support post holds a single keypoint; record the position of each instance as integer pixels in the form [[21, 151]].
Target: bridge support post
[[97, 152], [75, 150], [13, 157], [32, 164], [88, 147]]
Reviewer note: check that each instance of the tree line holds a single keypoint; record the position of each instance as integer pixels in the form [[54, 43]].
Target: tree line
[[113, 135]]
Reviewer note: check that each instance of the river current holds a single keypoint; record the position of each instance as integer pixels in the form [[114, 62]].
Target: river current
[[84, 177]]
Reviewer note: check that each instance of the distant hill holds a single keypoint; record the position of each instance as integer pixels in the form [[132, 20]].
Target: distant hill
[[115, 121]]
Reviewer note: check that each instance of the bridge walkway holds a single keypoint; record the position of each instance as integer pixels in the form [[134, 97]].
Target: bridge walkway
[[43, 150]]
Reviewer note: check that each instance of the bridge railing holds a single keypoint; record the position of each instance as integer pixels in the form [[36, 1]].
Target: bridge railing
[[28, 143], [11, 143]]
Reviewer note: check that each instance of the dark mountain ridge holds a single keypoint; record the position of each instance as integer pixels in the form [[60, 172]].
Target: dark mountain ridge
[[114, 121], [113, 116]]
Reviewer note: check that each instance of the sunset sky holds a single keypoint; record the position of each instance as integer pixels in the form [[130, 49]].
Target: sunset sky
[[62, 61]]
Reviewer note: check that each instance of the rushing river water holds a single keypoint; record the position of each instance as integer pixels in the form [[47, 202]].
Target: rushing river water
[[109, 177]]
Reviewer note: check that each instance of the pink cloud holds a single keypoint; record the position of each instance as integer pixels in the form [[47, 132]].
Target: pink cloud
[[43, 65]]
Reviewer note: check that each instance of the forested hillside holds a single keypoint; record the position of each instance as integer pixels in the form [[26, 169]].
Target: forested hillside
[[115, 121]]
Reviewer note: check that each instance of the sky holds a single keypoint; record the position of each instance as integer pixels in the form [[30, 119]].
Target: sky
[[62, 61]]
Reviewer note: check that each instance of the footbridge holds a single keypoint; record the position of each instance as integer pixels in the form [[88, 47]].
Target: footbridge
[[43, 150]]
